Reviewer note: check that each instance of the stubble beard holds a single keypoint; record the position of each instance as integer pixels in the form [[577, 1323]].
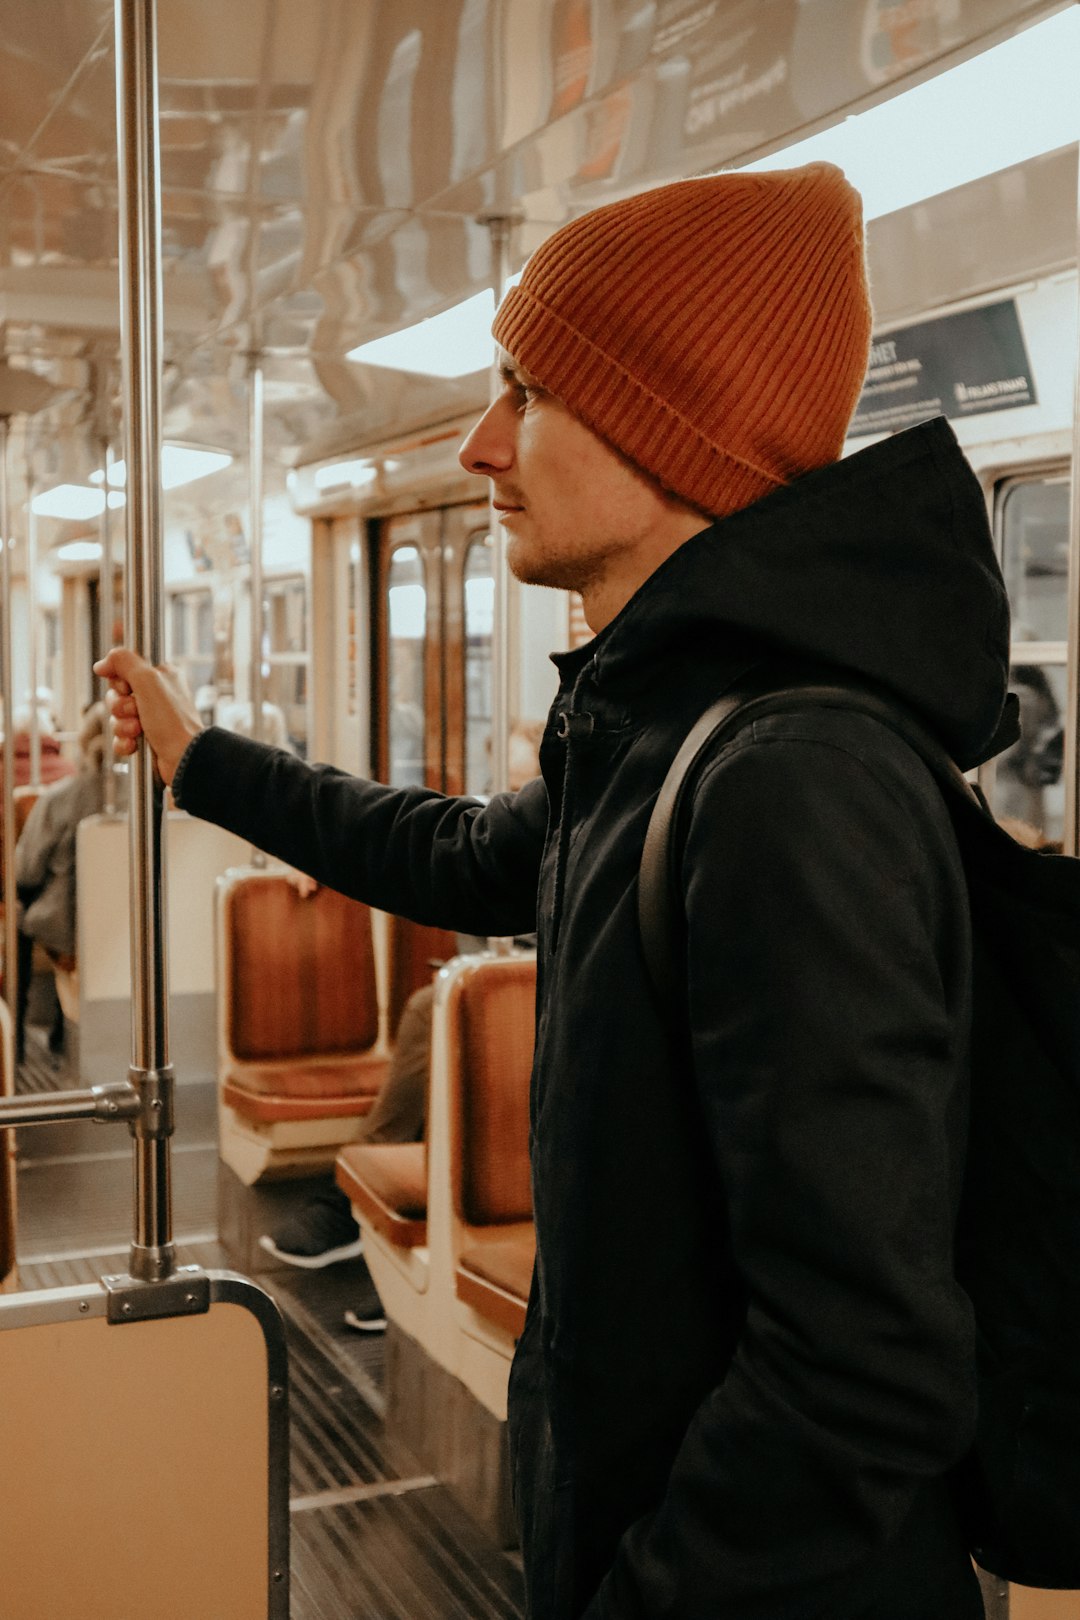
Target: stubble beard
[[557, 571]]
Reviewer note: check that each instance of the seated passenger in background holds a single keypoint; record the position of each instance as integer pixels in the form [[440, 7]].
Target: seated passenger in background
[[54, 767], [45, 862], [747, 1371]]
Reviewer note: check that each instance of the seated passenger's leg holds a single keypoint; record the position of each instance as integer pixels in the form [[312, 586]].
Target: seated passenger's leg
[[400, 1110]]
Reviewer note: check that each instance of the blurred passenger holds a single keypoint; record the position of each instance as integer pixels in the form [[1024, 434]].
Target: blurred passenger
[[54, 767], [747, 1372], [45, 862]]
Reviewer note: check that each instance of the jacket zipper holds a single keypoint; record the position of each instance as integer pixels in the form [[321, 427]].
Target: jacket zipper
[[573, 725]]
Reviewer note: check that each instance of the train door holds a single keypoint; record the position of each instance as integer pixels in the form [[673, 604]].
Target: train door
[[1031, 512], [433, 635]]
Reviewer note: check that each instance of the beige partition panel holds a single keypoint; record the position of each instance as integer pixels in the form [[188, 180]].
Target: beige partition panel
[[144, 1463], [1028, 1604]]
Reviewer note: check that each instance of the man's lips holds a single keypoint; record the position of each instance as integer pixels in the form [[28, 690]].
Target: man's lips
[[506, 506]]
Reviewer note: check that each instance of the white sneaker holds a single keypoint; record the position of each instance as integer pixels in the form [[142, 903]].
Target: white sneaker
[[375, 1323]]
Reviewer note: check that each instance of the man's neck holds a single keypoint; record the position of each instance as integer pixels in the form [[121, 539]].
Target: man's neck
[[606, 596]]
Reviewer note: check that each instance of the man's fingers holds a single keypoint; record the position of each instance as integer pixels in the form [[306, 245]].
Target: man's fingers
[[120, 664]]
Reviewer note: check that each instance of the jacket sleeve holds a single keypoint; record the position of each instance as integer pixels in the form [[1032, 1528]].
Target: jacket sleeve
[[451, 862], [828, 992]]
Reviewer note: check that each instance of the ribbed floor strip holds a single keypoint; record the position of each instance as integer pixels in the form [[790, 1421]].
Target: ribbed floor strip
[[360, 1493]]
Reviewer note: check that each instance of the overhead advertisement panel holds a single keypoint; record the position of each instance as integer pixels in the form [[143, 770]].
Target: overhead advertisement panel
[[730, 79], [957, 365]]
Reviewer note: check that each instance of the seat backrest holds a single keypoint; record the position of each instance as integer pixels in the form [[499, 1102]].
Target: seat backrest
[[298, 972], [492, 1029], [412, 950]]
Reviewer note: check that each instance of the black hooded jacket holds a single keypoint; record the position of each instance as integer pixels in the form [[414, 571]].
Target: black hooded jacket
[[747, 1366]]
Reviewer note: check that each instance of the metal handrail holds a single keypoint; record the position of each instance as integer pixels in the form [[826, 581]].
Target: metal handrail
[[115, 1102], [153, 1255]]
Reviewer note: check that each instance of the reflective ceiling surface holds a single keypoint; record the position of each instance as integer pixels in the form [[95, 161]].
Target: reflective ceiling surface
[[326, 165]]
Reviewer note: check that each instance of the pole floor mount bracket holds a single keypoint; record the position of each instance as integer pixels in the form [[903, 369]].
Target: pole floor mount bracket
[[185, 1292]]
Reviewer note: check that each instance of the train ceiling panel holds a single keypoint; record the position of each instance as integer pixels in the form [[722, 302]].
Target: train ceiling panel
[[324, 162]]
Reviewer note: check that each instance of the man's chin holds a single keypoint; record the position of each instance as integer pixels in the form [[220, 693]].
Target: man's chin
[[557, 573]]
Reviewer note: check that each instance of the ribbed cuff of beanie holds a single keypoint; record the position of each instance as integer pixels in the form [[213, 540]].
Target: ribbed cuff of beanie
[[651, 432]]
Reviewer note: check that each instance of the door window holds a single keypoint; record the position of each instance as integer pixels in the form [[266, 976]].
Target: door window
[[1027, 783], [479, 588], [407, 620]]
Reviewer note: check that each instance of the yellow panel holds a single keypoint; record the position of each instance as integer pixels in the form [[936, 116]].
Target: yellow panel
[[1027, 1604], [135, 1469]]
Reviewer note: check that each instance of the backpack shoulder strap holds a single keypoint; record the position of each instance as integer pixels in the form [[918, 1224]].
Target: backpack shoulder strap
[[660, 918]]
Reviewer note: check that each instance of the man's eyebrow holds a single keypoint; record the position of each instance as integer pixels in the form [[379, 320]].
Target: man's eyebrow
[[511, 372]]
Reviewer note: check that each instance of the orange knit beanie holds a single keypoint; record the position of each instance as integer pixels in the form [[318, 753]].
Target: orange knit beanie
[[716, 331]]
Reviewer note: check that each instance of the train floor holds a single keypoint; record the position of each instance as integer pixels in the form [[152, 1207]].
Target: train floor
[[373, 1535]]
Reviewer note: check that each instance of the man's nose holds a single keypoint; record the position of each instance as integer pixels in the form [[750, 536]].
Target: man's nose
[[489, 448]]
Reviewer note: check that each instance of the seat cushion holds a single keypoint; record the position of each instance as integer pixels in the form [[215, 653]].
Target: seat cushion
[[386, 1182], [494, 1274], [270, 1110], [355, 1075]]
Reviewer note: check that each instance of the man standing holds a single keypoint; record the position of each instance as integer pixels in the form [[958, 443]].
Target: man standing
[[747, 1367]]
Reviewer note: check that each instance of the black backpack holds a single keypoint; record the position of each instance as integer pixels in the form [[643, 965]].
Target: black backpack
[[1018, 1240]]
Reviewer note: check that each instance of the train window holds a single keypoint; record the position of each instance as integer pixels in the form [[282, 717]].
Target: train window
[[407, 597], [479, 583], [1027, 782], [1035, 556], [190, 636], [51, 650], [285, 654]]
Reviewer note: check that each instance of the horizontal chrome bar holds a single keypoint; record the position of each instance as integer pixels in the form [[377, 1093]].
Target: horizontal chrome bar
[[100, 1103]]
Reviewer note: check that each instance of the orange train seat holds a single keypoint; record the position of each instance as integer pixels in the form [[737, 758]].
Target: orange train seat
[[483, 1249], [386, 1182], [494, 1277], [490, 1053], [299, 1018]]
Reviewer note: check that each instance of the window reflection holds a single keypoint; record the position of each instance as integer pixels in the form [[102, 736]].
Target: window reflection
[[1028, 778], [407, 602], [1029, 786], [285, 660]]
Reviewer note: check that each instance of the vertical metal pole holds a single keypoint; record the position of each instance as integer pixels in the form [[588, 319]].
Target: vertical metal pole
[[107, 614], [152, 1252], [31, 617], [499, 227], [255, 486], [7, 676], [1071, 842]]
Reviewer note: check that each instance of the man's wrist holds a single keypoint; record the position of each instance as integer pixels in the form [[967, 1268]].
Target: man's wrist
[[175, 782]]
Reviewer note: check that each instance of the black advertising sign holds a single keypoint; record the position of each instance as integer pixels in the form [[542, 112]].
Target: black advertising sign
[[959, 365]]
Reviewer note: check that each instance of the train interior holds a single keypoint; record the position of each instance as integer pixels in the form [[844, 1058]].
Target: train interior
[[345, 185]]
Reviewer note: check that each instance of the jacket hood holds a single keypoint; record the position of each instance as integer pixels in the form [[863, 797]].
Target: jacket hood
[[882, 564]]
